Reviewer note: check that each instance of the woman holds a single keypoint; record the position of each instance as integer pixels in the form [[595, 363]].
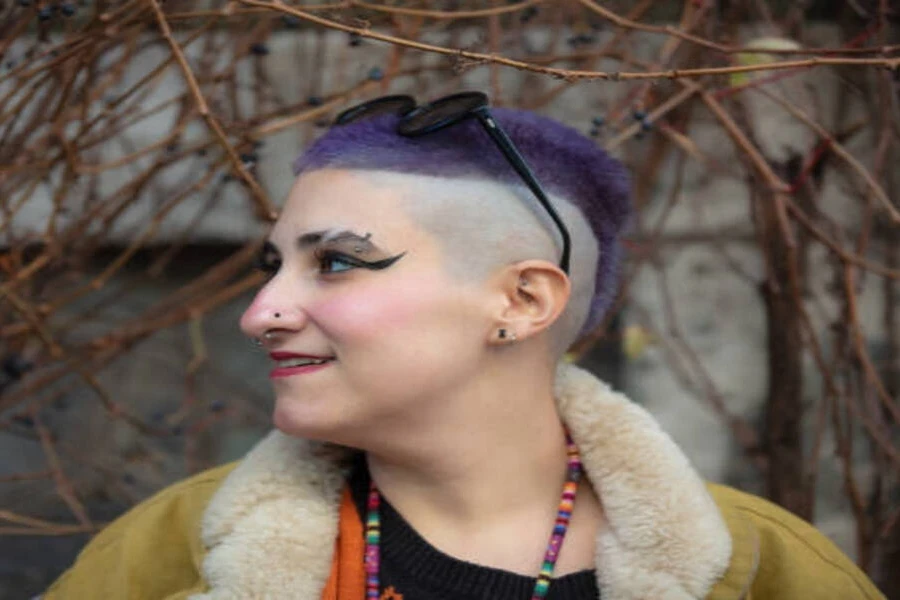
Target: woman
[[424, 283]]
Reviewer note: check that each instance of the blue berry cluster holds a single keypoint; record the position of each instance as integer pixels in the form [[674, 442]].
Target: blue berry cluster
[[581, 39], [249, 158], [646, 124], [15, 367], [46, 12], [290, 21], [597, 124]]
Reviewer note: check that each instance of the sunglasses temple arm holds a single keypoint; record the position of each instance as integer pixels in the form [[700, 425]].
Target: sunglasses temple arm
[[518, 163]]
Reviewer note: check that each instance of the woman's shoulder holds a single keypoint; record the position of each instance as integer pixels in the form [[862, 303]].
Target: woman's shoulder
[[777, 555], [152, 551]]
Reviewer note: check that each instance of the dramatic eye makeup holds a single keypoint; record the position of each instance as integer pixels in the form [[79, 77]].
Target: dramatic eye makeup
[[346, 249]]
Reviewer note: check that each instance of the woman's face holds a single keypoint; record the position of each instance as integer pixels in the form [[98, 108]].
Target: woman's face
[[354, 282]]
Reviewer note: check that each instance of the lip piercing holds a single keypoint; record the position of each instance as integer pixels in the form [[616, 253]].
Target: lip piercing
[[278, 315]]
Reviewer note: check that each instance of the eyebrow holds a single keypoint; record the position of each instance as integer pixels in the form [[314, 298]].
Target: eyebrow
[[331, 236], [362, 244]]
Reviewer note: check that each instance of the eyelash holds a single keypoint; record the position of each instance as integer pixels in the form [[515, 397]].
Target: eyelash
[[270, 266]]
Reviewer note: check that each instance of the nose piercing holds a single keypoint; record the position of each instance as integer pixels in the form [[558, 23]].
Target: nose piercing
[[267, 336]]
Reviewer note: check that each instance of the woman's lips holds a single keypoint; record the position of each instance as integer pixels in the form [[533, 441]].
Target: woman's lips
[[291, 371]]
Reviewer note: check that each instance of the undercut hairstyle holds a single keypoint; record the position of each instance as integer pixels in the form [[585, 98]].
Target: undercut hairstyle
[[477, 205]]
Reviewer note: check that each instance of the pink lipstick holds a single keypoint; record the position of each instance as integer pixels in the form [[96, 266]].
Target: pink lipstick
[[290, 364]]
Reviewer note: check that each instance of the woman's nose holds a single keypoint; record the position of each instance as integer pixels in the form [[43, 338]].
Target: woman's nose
[[271, 311]]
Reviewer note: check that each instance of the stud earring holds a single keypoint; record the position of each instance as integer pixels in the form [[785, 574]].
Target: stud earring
[[503, 335]]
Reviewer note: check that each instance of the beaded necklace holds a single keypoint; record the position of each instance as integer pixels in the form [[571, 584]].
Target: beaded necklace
[[560, 526]]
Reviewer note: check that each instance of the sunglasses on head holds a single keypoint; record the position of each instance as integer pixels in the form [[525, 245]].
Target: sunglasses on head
[[450, 110]]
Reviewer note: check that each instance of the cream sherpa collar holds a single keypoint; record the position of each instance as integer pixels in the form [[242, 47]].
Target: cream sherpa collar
[[270, 529]]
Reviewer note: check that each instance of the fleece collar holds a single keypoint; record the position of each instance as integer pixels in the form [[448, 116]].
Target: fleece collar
[[270, 529]]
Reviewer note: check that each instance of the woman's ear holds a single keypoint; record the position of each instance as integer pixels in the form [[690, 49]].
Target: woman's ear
[[535, 294]]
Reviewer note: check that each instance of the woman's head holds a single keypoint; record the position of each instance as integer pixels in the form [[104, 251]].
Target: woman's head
[[401, 258]]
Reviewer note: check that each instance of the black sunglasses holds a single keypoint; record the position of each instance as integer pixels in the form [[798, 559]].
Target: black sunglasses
[[450, 110]]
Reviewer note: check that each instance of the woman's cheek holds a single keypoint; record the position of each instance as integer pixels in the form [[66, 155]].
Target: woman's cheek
[[375, 312]]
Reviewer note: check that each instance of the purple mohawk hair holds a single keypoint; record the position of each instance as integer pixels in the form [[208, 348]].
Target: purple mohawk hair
[[567, 164]]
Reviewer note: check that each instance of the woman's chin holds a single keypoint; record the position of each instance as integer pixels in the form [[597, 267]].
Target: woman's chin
[[302, 420]]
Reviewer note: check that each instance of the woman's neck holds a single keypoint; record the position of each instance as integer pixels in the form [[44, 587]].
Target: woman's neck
[[482, 481], [466, 476]]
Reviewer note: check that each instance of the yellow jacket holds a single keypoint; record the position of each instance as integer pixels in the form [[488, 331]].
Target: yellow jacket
[[268, 526]]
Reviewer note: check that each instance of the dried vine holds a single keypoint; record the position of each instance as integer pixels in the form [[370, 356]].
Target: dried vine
[[125, 127]]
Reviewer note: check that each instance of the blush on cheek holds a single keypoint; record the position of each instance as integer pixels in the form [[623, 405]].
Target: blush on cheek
[[375, 311]]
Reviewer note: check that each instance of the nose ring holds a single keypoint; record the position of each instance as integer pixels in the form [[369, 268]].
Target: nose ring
[[267, 336]]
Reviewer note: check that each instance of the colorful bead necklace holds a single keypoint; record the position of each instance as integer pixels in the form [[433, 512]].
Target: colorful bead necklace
[[545, 576]]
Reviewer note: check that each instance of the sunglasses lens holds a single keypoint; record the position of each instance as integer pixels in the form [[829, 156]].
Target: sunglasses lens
[[441, 113], [393, 105]]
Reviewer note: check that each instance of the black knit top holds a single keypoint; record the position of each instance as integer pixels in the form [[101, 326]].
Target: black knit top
[[412, 569]]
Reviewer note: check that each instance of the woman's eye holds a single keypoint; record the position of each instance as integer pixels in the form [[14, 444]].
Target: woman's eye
[[330, 262]]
